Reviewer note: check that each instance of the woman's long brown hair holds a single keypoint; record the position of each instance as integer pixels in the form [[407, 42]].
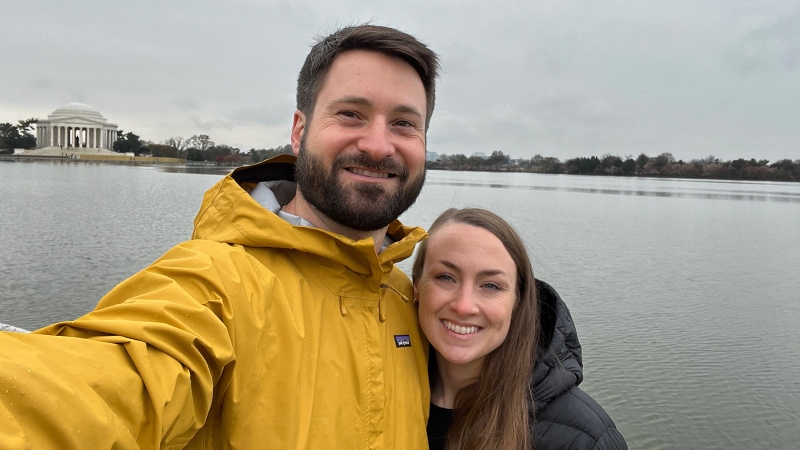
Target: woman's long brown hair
[[492, 413]]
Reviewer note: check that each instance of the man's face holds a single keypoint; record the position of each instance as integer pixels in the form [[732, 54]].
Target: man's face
[[361, 157]]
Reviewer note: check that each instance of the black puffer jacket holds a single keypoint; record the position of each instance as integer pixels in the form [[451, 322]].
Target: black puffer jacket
[[565, 416]]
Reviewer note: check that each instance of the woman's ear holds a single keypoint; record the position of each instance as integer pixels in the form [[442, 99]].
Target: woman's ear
[[416, 294]]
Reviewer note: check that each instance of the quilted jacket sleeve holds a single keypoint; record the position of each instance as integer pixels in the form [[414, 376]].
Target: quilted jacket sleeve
[[575, 421], [141, 371]]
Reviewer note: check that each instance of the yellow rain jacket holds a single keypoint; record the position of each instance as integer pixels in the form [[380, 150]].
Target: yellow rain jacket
[[254, 334]]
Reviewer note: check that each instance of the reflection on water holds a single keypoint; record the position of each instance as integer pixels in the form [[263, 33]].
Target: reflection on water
[[684, 292], [198, 169], [712, 194]]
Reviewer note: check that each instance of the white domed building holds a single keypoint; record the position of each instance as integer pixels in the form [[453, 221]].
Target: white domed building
[[74, 128]]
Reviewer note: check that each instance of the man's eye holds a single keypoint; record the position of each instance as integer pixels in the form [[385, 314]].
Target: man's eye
[[405, 123], [350, 114]]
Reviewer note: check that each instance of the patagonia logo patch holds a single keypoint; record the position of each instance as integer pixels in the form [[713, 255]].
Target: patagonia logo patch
[[402, 340]]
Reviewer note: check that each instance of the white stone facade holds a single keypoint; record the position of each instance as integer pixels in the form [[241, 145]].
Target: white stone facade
[[75, 126]]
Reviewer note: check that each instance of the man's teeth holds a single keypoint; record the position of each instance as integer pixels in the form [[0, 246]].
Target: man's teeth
[[368, 173], [458, 329]]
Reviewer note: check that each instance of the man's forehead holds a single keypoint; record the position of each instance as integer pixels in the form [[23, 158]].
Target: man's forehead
[[360, 68]]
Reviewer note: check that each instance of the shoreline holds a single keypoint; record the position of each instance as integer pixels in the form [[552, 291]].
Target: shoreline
[[129, 160], [612, 176]]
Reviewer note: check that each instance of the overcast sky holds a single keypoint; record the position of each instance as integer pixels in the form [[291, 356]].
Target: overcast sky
[[557, 78]]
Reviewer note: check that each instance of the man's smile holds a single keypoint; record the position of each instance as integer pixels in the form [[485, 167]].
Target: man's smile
[[369, 173]]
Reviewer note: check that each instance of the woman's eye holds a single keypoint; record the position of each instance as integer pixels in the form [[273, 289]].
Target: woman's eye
[[444, 277], [493, 286]]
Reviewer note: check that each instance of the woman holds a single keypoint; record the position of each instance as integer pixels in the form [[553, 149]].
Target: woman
[[483, 312], [477, 307]]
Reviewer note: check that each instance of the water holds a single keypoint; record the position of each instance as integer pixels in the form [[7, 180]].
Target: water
[[686, 294]]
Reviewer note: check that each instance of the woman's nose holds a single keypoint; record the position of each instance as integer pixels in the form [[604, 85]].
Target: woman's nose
[[464, 304]]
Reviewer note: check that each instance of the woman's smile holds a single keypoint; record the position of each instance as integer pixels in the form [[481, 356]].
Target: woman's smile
[[459, 329]]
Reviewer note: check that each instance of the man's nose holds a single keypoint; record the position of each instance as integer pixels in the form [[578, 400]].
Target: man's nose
[[377, 141], [464, 303]]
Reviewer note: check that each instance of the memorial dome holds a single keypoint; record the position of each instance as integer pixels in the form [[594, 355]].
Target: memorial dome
[[76, 109]]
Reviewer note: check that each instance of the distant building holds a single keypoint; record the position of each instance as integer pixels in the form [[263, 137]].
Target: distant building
[[75, 126], [431, 156]]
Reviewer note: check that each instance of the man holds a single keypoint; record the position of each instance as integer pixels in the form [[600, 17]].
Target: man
[[283, 322]]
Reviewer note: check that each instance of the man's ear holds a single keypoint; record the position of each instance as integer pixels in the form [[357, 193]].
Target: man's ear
[[298, 128]]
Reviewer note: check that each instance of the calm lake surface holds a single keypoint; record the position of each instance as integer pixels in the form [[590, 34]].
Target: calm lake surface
[[685, 293]]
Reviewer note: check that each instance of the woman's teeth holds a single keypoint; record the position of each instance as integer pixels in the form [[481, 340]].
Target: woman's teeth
[[458, 329]]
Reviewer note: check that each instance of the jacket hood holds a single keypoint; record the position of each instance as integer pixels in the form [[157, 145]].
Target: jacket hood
[[559, 364], [229, 214]]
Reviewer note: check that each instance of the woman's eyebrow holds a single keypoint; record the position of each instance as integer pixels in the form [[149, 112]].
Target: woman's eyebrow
[[448, 264], [484, 273]]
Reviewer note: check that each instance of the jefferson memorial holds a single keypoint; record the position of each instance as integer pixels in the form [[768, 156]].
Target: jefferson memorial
[[74, 128]]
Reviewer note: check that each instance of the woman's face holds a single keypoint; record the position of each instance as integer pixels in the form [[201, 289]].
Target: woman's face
[[466, 293]]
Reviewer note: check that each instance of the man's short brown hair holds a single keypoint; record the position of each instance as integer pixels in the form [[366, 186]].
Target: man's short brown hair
[[375, 38]]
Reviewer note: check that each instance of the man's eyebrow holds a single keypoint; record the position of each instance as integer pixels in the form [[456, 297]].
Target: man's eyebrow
[[408, 109], [361, 101], [353, 100]]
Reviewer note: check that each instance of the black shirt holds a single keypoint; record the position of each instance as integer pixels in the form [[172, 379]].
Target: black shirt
[[438, 425]]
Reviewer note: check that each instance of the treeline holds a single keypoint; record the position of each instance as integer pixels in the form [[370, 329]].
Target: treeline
[[663, 165], [196, 148]]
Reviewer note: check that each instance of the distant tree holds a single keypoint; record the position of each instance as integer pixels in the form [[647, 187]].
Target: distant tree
[[739, 164], [787, 169], [177, 142], [235, 160], [582, 165], [459, 160], [128, 143], [664, 159], [629, 166], [161, 150], [26, 126], [498, 158], [218, 152], [8, 135], [258, 155], [200, 141], [193, 154], [716, 170], [642, 161], [551, 165], [17, 136]]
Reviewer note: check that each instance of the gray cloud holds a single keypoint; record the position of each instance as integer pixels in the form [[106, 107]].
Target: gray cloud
[[557, 78], [768, 46]]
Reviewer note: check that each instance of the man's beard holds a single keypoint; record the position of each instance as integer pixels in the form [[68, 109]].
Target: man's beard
[[360, 206]]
